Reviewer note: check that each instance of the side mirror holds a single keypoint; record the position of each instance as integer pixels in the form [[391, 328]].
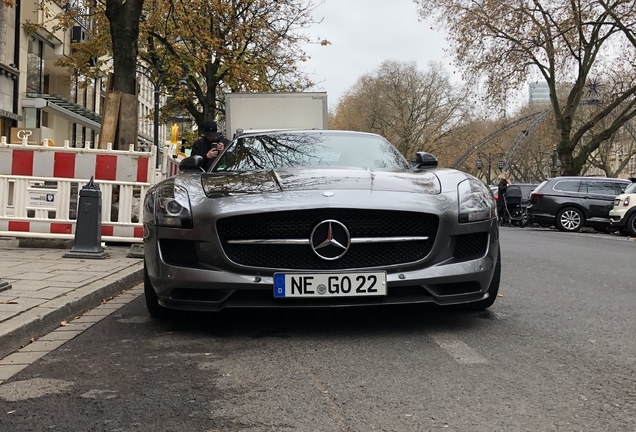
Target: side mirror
[[191, 163], [423, 160]]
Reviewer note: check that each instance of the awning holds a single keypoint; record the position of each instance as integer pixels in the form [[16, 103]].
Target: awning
[[59, 106], [10, 115]]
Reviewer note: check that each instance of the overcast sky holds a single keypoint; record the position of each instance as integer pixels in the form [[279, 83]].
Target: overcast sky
[[363, 34]]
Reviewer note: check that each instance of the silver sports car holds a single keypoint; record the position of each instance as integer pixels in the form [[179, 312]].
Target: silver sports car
[[318, 218]]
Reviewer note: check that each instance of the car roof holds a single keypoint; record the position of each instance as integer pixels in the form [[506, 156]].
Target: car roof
[[589, 178]]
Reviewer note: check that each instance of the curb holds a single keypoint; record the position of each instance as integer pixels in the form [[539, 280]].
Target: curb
[[41, 320]]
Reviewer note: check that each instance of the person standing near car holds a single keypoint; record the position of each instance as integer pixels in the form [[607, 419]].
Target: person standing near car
[[502, 186], [210, 145]]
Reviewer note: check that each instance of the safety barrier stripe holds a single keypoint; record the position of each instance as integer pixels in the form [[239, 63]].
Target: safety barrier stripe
[[16, 227], [52, 162]]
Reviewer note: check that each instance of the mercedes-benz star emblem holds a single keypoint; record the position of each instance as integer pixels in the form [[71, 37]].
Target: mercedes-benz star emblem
[[330, 240]]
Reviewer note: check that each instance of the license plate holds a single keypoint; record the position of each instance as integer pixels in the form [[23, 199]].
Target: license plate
[[329, 284]]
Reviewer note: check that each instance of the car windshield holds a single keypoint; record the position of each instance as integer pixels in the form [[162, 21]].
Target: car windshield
[[631, 189], [310, 149]]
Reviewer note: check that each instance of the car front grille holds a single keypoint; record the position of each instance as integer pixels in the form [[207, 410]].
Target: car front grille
[[299, 225], [469, 246]]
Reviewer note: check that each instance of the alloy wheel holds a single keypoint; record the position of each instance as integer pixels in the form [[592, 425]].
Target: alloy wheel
[[571, 220]]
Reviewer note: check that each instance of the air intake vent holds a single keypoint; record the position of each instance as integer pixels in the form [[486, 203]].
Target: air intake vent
[[471, 245], [179, 252]]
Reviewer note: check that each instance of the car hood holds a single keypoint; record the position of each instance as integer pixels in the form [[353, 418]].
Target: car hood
[[282, 180]]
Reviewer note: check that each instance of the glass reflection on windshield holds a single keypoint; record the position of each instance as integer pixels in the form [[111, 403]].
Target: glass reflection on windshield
[[313, 150]]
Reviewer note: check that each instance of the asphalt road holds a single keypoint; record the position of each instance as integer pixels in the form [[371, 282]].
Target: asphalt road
[[556, 352]]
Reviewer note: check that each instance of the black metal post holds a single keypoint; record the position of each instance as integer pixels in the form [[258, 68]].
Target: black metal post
[[490, 158], [4, 285], [88, 227], [156, 125], [554, 169]]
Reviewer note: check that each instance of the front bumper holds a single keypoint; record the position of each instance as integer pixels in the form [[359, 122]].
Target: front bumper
[[617, 218], [440, 278]]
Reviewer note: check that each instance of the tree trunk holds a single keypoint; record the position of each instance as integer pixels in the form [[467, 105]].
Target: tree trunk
[[124, 16]]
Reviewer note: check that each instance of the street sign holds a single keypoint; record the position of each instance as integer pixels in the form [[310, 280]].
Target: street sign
[[42, 199]]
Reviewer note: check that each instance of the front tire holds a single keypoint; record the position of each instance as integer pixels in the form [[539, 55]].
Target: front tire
[[152, 301], [631, 225], [570, 219]]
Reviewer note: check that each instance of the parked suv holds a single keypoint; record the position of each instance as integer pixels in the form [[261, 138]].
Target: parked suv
[[623, 215], [570, 203]]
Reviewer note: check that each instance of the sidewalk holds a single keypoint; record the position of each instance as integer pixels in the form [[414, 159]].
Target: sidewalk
[[47, 289]]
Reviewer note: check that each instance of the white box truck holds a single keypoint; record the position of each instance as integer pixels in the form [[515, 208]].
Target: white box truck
[[302, 110]]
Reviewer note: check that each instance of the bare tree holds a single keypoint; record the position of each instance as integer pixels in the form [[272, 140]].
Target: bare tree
[[565, 42], [413, 109]]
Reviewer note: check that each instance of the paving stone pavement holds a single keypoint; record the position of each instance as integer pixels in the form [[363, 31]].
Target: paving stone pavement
[[39, 289]]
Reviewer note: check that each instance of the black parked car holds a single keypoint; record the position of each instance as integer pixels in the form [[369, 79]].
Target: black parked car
[[570, 203]]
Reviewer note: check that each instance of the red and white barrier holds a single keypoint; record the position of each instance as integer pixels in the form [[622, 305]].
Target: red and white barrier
[[36, 184], [67, 230], [172, 167], [65, 162]]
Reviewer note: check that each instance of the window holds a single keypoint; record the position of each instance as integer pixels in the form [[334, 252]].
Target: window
[[602, 188], [567, 186], [34, 66], [90, 95]]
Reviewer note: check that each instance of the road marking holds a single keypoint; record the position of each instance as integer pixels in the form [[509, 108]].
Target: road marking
[[457, 349]]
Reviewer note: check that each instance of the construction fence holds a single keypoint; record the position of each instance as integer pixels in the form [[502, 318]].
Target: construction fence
[[39, 188]]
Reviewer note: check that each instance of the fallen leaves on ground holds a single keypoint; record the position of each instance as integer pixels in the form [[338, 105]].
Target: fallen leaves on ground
[[63, 323]]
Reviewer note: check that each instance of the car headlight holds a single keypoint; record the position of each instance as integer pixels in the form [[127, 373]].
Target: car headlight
[[168, 205], [476, 202]]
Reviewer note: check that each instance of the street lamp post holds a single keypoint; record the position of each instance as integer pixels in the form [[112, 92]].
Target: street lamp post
[[555, 164], [156, 81], [490, 159], [156, 125]]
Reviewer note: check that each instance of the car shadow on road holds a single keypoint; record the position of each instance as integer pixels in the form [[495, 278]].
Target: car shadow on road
[[288, 323]]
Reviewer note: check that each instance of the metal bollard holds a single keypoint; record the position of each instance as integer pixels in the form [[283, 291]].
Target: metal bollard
[[88, 227], [4, 285]]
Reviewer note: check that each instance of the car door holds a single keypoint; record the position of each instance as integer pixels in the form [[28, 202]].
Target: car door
[[565, 193], [599, 199]]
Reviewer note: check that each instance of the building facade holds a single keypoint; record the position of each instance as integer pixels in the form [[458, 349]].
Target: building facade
[[9, 72], [539, 92], [40, 99]]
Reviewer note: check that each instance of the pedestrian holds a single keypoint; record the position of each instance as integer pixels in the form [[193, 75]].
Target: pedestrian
[[210, 145], [502, 186]]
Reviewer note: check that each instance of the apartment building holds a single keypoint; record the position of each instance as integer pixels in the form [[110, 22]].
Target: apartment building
[[39, 99]]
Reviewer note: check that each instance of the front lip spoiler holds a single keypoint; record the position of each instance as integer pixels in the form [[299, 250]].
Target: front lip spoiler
[[316, 303]]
